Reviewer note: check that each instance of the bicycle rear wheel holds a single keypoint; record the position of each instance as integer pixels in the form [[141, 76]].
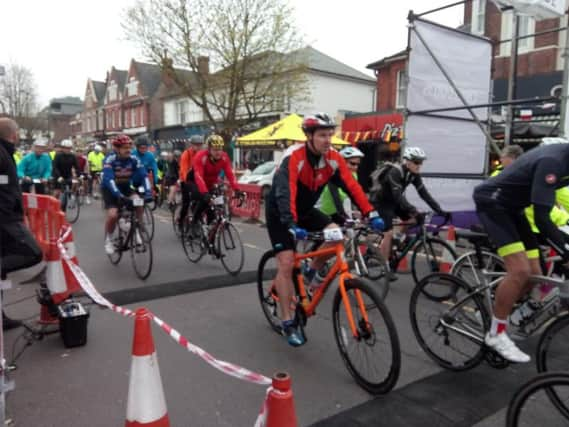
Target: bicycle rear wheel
[[373, 356], [530, 405], [72, 208], [268, 297], [148, 220], [552, 351], [437, 256], [230, 248], [449, 321], [193, 242], [377, 271], [141, 252]]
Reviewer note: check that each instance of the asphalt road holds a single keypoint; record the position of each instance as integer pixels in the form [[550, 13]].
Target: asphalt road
[[88, 386]]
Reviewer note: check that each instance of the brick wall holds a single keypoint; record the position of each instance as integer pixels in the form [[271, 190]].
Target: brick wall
[[387, 85]]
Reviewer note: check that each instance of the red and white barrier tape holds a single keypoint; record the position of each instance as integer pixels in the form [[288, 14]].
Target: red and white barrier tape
[[225, 367]]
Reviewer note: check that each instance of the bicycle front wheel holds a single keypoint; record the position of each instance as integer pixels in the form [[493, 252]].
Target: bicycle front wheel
[[469, 268], [266, 290], [230, 248], [530, 405], [431, 256], [193, 241], [72, 209], [377, 269], [148, 220], [552, 352], [371, 355], [141, 252], [118, 237], [449, 321], [175, 215]]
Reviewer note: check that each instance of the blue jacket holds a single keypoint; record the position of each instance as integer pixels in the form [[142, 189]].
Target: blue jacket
[[149, 163], [35, 167], [120, 174]]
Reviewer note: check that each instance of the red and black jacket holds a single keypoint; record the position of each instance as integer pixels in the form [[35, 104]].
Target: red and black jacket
[[301, 178]]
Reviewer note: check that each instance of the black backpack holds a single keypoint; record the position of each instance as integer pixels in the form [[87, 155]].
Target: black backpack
[[377, 180]]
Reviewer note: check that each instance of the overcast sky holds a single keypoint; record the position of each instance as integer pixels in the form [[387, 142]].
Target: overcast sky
[[64, 42]]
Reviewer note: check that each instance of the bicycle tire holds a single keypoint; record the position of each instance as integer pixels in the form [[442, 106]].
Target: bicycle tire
[[175, 215], [228, 240], [142, 246], [433, 254], [547, 358], [466, 266], [366, 337], [545, 381], [377, 271], [72, 208], [268, 298], [450, 286], [148, 219], [193, 243]]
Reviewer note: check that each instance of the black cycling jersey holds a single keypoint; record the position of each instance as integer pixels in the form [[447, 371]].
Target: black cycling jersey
[[62, 165], [531, 179], [394, 184]]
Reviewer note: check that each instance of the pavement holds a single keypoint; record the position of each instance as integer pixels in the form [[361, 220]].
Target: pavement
[[88, 386]]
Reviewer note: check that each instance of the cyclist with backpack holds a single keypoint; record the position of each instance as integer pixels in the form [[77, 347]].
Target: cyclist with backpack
[[387, 193]]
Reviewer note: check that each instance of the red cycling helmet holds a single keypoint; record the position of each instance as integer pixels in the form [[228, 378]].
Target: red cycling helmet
[[121, 141], [317, 121]]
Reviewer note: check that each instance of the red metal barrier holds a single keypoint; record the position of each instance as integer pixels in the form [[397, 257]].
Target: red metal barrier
[[251, 207]]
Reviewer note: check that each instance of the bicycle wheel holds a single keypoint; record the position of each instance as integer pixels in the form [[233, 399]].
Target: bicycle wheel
[[449, 328], [434, 257], [377, 271], [141, 252], [118, 237], [148, 221], [552, 351], [230, 248], [193, 242], [268, 297], [373, 357], [530, 405], [469, 268], [73, 208]]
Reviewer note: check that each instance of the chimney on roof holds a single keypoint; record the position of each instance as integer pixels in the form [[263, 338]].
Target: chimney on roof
[[203, 65]]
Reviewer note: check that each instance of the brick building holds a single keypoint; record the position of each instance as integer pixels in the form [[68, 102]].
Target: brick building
[[93, 116], [112, 105]]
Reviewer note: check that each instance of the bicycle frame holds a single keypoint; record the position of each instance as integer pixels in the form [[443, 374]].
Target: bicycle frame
[[339, 267]]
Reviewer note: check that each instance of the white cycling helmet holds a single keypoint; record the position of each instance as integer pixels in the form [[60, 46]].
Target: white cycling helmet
[[98, 148], [414, 153], [66, 143], [351, 152], [40, 142], [554, 140]]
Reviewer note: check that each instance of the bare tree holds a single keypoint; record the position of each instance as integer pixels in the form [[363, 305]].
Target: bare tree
[[242, 55], [18, 91]]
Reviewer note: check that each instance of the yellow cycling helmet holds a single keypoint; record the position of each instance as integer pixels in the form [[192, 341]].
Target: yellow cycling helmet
[[215, 141]]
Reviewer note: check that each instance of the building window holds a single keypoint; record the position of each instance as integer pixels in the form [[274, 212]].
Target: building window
[[133, 117], [527, 26], [113, 119], [132, 87], [478, 16], [182, 111], [112, 91], [401, 89]]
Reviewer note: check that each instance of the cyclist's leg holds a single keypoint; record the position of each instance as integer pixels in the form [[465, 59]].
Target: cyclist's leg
[[186, 191], [111, 206], [387, 213]]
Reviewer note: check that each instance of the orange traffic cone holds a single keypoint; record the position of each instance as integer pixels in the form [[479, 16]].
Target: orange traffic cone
[[280, 404], [146, 405], [447, 258], [403, 266]]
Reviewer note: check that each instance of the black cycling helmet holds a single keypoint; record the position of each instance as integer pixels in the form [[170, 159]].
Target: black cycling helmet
[[317, 121], [141, 141]]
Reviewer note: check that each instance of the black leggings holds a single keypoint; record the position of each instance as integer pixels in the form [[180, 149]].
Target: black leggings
[[201, 203], [18, 248]]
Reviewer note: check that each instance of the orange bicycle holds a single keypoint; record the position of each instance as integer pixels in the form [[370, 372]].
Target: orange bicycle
[[364, 330]]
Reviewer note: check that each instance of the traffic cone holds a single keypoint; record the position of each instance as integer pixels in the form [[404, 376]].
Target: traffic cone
[[403, 266], [447, 258], [146, 405], [72, 284], [280, 404]]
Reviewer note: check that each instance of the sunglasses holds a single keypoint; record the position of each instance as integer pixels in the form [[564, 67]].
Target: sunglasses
[[355, 164], [418, 162]]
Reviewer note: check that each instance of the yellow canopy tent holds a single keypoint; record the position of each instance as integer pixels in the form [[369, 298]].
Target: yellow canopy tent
[[287, 131]]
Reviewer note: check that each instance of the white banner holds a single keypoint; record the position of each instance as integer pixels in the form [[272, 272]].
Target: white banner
[[452, 194], [539, 9], [452, 146]]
